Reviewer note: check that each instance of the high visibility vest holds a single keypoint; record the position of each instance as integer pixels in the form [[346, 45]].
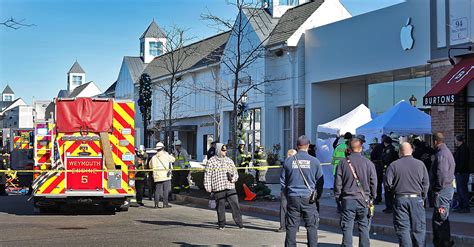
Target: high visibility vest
[[260, 160], [181, 162], [243, 159], [338, 155]]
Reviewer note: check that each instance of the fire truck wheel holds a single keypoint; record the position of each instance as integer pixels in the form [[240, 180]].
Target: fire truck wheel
[[125, 206]]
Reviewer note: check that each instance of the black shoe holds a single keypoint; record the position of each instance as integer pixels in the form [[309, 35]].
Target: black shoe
[[167, 206], [280, 230], [141, 203], [387, 211]]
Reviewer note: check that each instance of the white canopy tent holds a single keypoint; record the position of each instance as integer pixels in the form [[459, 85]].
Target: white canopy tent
[[348, 122], [402, 119]]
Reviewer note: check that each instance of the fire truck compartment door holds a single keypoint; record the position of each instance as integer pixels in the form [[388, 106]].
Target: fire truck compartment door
[[88, 177]]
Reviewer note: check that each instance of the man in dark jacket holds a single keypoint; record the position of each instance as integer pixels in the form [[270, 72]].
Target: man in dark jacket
[[376, 158], [408, 179], [354, 205], [298, 193], [442, 178], [389, 155], [462, 156], [212, 151]]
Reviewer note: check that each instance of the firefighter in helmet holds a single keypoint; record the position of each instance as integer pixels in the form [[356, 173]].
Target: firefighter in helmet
[[260, 164], [180, 177], [243, 157]]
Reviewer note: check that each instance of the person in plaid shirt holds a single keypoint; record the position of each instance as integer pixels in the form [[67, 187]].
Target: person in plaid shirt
[[220, 178]]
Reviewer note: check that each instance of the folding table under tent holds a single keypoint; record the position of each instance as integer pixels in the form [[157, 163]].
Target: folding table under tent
[[348, 122], [402, 119]]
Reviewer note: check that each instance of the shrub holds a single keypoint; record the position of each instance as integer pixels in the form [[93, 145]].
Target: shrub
[[244, 178]]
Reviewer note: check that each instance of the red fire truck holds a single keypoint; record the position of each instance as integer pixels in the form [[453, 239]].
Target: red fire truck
[[85, 155]]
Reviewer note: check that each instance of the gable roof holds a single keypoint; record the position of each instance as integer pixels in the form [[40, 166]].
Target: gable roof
[[76, 68], [292, 20], [135, 66], [111, 89], [78, 90], [201, 53], [7, 90], [153, 31], [7, 105], [262, 22]]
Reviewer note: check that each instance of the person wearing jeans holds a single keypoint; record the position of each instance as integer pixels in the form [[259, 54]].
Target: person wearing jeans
[[219, 178], [161, 164], [442, 178]]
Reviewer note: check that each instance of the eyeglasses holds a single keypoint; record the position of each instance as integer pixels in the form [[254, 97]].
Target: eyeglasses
[[224, 150]]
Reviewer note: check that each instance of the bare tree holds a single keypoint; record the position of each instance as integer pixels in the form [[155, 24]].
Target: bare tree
[[240, 53], [171, 86], [15, 24]]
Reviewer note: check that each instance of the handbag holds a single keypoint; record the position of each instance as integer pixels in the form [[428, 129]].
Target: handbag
[[370, 204], [313, 196], [212, 201]]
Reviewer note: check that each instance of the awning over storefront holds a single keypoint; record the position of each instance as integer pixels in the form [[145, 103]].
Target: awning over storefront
[[447, 89]]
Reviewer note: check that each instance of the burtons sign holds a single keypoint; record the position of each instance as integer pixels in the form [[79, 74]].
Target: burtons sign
[[435, 100]]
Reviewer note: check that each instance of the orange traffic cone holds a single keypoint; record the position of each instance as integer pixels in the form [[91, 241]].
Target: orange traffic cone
[[249, 195]]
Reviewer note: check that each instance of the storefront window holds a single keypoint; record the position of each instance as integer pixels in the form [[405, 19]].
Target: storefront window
[[382, 96]]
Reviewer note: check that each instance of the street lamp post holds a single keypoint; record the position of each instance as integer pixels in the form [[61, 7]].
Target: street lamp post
[[413, 100]]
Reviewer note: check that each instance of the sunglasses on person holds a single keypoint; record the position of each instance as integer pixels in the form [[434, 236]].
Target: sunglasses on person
[[224, 149]]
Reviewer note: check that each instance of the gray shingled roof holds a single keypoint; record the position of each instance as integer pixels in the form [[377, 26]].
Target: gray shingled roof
[[78, 90], [262, 22], [135, 66], [153, 31], [7, 90], [198, 54], [111, 89], [76, 68], [292, 20]]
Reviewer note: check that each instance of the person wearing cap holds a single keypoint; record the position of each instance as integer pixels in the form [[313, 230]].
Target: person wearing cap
[[219, 178], [355, 205], [161, 165], [389, 155], [408, 179], [339, 154], [243, 157], [442, 178], [299, 176], [260, 158], [180, 177]]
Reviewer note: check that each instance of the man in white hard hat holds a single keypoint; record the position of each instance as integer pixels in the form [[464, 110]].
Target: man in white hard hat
[[180, 176]]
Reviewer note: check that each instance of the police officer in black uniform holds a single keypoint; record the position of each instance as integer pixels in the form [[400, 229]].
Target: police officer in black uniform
[[389, 155], [298, 193], [408, 180], [354, 204]]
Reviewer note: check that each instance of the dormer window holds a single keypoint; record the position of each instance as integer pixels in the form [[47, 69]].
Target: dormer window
[[8, 98], [142, 49], [76, 80], [155, 48]]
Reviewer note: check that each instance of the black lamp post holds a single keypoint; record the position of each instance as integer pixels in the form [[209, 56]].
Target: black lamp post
[[451, 60], [413, 100]]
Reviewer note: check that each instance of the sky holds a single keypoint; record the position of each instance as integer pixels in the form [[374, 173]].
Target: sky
[[34, 60]]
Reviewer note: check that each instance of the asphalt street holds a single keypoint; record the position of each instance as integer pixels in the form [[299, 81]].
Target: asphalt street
[[181, 225]]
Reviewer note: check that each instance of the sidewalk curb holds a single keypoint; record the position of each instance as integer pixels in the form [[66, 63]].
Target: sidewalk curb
[[334, 222]]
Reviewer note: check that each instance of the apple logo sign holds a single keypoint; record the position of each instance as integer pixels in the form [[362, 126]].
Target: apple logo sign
[[406, 35]]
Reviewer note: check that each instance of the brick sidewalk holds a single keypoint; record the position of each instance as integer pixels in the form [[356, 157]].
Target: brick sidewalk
[[462, 225]]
